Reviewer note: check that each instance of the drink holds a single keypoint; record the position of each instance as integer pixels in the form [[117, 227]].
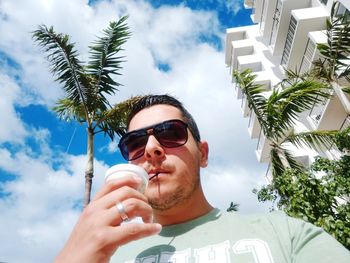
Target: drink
[[120, 170]]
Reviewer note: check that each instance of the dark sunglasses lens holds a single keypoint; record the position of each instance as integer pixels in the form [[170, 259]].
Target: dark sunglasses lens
[[133, 146], [169, 134], [172, 134]]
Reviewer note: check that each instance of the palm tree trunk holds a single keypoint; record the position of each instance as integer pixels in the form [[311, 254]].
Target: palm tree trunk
[[89, 172], [283, 159]]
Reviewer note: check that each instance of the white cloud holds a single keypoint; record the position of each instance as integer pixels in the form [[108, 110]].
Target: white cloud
[[12, 129], [38, 212], [234, 6], [37, 215], [227, 184]]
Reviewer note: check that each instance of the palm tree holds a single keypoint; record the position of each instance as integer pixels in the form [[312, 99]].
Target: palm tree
[[233, 207], [334, 64], [86, 86], [278, 112]]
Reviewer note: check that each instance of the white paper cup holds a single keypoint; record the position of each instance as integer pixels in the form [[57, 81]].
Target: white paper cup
[[127, 169]]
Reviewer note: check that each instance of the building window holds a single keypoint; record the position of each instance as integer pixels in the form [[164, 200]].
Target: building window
[[289, 41]]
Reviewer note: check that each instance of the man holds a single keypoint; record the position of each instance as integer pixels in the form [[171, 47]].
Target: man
[[164, 139]]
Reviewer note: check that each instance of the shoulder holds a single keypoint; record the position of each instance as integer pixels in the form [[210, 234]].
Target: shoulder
[[276, 223]]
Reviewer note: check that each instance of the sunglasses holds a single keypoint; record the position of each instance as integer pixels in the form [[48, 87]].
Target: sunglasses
[[170, 134]]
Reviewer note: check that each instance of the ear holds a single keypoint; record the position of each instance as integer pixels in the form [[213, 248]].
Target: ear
[[203, 151]]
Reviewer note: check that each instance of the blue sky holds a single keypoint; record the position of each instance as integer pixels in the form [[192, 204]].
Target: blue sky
[[177, 47]]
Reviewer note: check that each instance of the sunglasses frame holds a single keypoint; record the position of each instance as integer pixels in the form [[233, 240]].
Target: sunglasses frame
[[147, 131]]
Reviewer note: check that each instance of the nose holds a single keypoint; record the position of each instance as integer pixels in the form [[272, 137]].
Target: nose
[[153, 149]]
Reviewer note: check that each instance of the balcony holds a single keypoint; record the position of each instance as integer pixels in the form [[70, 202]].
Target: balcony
[[237, 45], [240, 48], [253, 126], [278, 21], [232, 34], [331, 114], [333, 153], [238, 91], [302, 21], [311, 52], [251, 62], [262, 79], [244, 106], [263, 148]]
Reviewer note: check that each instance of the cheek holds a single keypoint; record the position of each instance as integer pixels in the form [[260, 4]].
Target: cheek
[[186, 167]]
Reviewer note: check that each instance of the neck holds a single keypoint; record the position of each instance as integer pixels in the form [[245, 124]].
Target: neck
[[193, 208]]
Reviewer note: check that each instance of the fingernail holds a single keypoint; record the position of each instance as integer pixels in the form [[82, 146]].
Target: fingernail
[[158, 227]]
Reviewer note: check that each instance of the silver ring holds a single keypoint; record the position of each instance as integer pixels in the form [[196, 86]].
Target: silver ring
[[121, 210]]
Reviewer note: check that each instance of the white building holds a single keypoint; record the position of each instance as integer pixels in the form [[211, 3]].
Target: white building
[[284, 36]]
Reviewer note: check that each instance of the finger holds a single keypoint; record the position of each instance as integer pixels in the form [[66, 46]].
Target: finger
[[126, 233], [133, 208], [118, 195], [111, 185]]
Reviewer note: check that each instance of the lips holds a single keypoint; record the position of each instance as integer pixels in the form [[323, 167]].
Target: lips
[[154, 174]]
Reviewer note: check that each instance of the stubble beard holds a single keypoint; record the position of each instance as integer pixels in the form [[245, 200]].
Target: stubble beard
[[176, 198]]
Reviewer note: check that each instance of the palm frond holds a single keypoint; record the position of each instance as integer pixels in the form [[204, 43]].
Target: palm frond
[[335, 53], [281, 160], [104, 60], [317, 140], [293, 163], [69, 110], [64, 62], [298, 98], [254, 93], [346, 89], [114, 121], [292, 77]]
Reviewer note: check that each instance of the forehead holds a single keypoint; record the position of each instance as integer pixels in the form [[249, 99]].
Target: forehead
[[153, 115]]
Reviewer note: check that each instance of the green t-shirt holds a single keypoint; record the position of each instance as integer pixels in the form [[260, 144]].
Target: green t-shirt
[[230, 237]]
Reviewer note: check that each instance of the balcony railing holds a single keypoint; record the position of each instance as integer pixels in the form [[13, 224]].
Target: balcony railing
[[238, 90], [333, 149], [346, 123], [261, 141], [318, 109], [251, 118], [289, 41], [306, 62]]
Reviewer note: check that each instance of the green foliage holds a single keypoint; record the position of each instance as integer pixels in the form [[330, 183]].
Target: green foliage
[[321, 194], [87, 85], [320, 200], [233, 207], [277, 114], [335, 62], [342, 140], [115, 119], [64, 61]]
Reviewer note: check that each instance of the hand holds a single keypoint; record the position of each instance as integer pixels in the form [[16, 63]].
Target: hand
[[99, 232]]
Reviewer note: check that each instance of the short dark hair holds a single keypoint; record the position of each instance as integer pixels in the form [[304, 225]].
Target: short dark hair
[[151, 100]]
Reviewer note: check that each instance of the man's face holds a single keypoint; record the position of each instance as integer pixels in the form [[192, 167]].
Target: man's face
[[177, 168]]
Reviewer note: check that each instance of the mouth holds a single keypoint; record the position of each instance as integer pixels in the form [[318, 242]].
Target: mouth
[[153, 176]]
